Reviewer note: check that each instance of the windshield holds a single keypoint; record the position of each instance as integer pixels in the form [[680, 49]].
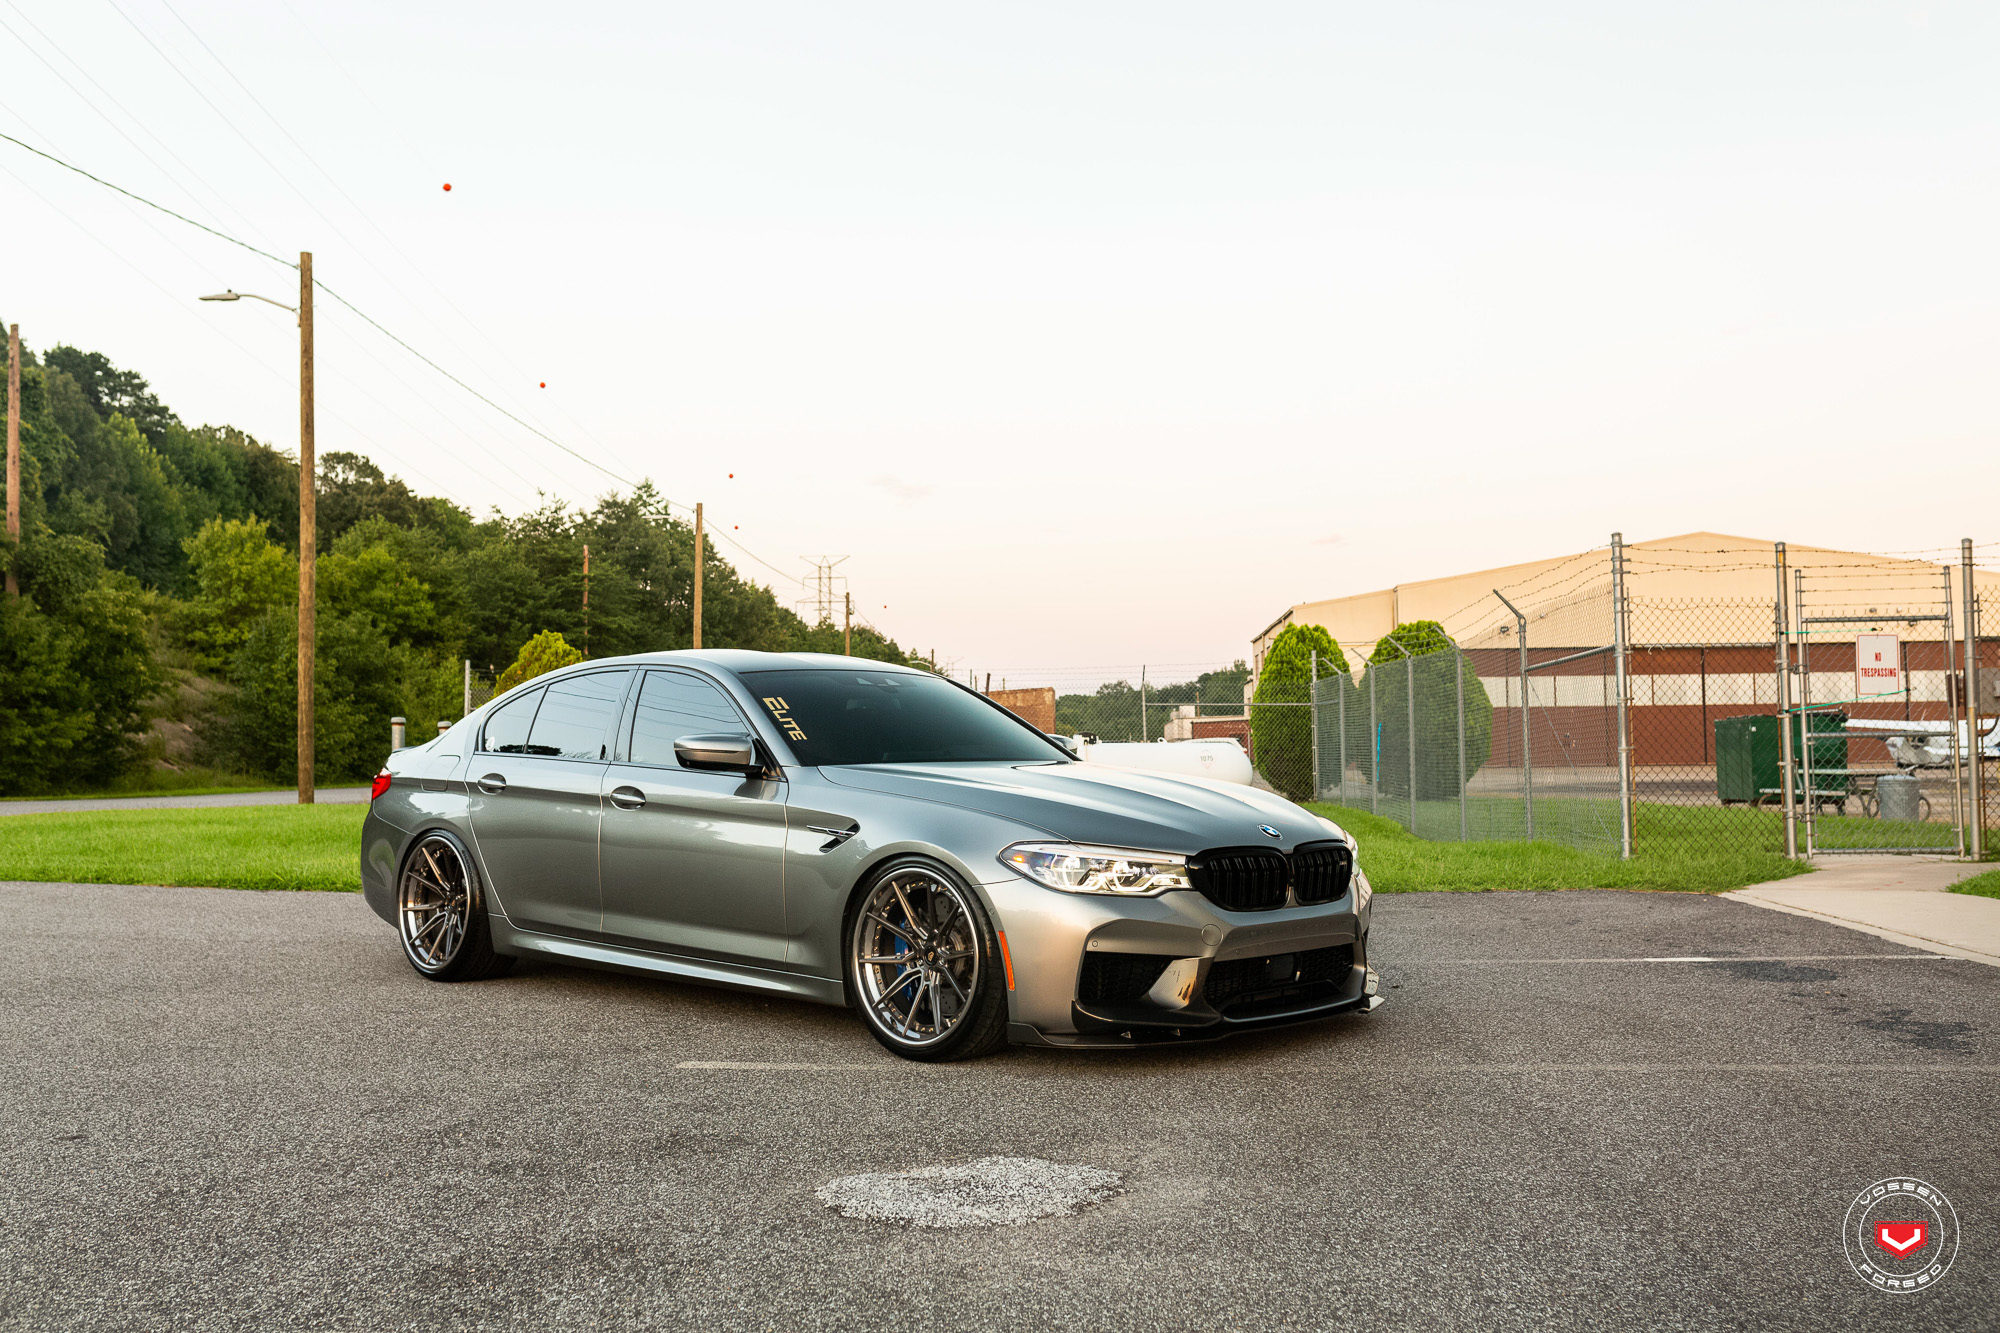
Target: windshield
[[843, 717]]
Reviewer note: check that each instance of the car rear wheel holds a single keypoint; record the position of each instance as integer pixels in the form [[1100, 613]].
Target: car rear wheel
[[441, 913], [924, 967]]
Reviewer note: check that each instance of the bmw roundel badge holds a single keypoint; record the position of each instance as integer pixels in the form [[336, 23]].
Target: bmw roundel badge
[[1270, 832]]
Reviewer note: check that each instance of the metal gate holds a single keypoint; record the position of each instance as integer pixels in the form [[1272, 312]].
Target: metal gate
[[1878, 742]]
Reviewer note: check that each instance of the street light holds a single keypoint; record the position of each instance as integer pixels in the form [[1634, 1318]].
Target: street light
[[308, 517]]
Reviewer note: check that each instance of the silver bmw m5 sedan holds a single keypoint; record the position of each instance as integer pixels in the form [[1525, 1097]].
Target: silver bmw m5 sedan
[[863, 835]]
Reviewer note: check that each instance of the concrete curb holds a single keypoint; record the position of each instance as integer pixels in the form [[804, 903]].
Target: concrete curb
[[1958, 925]]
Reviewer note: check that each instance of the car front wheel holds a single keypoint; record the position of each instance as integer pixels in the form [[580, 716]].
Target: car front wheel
[[924, 967]]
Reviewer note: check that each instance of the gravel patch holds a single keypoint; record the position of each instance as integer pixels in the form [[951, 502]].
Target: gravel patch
[[989, 1192]]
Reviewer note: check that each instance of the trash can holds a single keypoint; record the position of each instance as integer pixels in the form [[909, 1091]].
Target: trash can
[[1899, 796]]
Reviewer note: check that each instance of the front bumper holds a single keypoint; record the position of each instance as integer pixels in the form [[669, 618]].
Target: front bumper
[[1094, 971]]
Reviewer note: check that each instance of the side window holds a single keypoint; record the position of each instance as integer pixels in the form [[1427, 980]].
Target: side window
[[672, 705], [507, 725], [574, 721]]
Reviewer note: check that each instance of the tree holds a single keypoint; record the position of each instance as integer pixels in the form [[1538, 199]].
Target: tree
[[1421, 652], [546, 652], [76, 664], [110, 390], [239, 577], [1281, 733]]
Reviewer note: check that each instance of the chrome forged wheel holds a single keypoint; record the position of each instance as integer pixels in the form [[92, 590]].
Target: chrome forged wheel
[[441, 914], [919, 958]]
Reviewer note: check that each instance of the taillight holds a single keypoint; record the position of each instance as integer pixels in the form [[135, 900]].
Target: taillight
[[381, 785]]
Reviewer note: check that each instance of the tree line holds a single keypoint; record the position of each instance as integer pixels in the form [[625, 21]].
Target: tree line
[[156, 632]]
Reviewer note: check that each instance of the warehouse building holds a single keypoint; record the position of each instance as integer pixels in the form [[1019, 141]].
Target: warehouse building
[[1702, 640]]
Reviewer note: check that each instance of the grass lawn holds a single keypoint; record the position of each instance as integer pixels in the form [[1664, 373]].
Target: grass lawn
[[1983, 886], [229, 847], [1688, 848], [318, 847], [110, 793]]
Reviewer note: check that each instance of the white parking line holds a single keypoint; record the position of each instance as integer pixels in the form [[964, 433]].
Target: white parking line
[[1703, 958], [1373, 1070]]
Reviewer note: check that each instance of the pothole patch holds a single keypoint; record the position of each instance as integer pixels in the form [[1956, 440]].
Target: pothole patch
[[989, 1192]]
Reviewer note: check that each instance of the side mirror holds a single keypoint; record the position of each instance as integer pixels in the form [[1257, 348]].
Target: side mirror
[[728, 752], [1064, 743]]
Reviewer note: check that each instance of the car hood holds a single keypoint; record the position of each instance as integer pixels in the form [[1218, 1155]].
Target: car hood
[[1097, 803]]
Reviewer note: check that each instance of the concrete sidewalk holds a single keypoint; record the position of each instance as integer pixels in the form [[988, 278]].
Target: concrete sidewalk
[[1900, 898], [323, 795]]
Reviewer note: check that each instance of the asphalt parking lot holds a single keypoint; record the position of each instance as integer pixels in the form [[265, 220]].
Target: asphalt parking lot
[[234, 1110]]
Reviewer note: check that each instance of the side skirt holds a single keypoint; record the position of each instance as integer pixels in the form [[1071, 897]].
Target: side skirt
[[511, 939]]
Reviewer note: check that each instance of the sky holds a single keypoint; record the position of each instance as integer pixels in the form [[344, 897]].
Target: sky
[[1089, 333]]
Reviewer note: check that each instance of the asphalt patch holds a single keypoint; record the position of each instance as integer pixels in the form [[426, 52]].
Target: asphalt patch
[[989, 1192]]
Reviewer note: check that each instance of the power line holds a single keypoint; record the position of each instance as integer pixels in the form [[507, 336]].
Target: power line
[[119, 189], [112, 98], [386, 332], [305, 153]]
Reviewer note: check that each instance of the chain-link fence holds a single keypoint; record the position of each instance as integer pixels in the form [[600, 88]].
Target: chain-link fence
[[1510, 735], [479, 688], [1606, 703]]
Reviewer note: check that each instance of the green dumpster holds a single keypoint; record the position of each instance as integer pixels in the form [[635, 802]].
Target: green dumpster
[[1747, 756]]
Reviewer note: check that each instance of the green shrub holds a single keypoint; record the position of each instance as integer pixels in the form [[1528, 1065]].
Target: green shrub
[[1422, 651], [546, 652], [1281, 739]]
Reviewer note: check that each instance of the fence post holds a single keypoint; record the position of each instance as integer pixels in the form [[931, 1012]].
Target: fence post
[[1464, 827], [1785, 757], [1619, 650], [1340, 707], [1527, 748], [1955, 703], [1976, 786], [1805, 738], [1142, 702], [468, 689], [1374, 749], [1312, 710], [397, 733], [1411, 660]]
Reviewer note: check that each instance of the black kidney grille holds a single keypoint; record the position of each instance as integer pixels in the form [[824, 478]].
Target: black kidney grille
[[1118, 978], [1254, 879], [1240, 879], [1243, 987], [1320, 871]]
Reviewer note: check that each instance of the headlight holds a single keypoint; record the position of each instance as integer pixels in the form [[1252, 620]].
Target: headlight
[[1078, 869]]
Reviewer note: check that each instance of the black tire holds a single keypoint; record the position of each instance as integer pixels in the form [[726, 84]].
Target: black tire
[[446, 936], [978, 1025]]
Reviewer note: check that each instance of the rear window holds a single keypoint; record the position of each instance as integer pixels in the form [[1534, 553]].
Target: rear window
[[507, 725], [574, 721]]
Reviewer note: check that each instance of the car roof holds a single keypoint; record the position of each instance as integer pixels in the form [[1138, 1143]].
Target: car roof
[[736, 661]]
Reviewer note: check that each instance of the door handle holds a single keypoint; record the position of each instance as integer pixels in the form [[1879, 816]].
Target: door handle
[[493, 784], [628, 798]]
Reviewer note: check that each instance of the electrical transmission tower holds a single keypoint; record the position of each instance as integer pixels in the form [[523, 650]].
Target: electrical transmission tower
[[824, 590]]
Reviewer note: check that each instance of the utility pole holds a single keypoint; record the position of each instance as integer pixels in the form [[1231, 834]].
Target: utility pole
[[698, 562], [308, 521], [308, 511], [847, 629], [822, 599], [13, 450], [586, 601]]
